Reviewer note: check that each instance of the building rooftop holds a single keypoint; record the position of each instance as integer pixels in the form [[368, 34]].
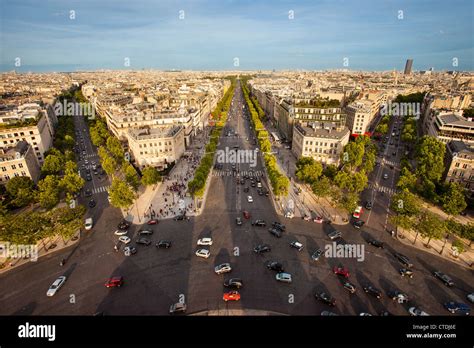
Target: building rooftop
[[453, 120], [153, 133], [323, 130], [13, 152]]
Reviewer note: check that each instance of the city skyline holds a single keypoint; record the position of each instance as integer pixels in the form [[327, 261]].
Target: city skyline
[[208, 35]]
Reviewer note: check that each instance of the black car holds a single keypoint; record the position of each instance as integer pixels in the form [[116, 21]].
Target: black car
[[368, 205], [275, 266], [259, 223], [325, 298], [92, 203], [89, 177], [405, 261], [444, 278], [376, 243], [279, 226], [260, 192], [358, 223], [234, 283], [145, 232], [404, 272], [246, 189], [373, 291], [262, 248], [143, 241], [88, 193], [123, 225], [238, 221], [253, 184], [275, 232], [180, 218], [163, 244]]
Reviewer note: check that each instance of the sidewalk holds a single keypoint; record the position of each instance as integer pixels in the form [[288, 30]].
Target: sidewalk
[[465, 259], [170, 198], [46, 247]]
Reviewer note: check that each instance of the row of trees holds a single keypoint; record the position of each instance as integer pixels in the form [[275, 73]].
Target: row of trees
[[342, 185], [278, 180], [197, 186]]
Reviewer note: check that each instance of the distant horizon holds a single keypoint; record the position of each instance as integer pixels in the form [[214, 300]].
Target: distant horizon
[[362, 35]]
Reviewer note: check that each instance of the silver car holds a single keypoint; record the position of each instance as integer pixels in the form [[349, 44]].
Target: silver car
[[223, 268], [55, 286], [283, 277]]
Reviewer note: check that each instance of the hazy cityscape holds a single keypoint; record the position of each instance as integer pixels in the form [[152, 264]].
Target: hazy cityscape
[[198, 159]]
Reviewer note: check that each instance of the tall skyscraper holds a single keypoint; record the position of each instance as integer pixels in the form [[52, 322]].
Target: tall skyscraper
[[408, 66]]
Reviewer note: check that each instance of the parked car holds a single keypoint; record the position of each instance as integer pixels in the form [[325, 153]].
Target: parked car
[[318, 219], [457, 307], [405, 272], [349, 287], [262, 248], [405, 261], [376, 243], [238, 221], [246, 214], [417, 312], [342, 271], [283, 277], [231, 296], [114, 282], [275, 266], [143, 241], [56, 285], [178, 308], [163, 244], [358, 224], [335, 234], [368, 205], [235, 283], [316, 255], [326, 298], [120, 232], [470, 297], [204, 241], [444, 278], [369, 289], [357, 212], [124, 239], [297, 245], [145, 232], [123, 225], [152, 222], [259, 223], [275, 232], [88, 224], [203, 253], [223, 268]]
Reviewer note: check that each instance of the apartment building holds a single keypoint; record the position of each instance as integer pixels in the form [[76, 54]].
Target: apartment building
[[448, 126], [324, 142], [28, 122], [18, 160], [359, 116], [459, 164], [157, 147]]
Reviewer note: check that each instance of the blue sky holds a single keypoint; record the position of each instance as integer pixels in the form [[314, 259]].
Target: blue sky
[[259, 33]]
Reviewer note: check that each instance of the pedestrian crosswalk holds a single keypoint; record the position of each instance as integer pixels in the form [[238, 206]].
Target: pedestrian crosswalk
[[90, 155], [388, 190], [391, 163], [101, 189]]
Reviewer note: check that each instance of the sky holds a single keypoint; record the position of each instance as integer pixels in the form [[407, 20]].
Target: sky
[[70, 35]]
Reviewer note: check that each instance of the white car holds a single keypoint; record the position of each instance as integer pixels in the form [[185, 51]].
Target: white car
[[88, 224], [125, 239], [259, 184], [120, 232], [204, 241], [250, 199], [223, 268], [203, 253], [385, 176], [283, 277], [470, 297], [55, 286], [417, 312]]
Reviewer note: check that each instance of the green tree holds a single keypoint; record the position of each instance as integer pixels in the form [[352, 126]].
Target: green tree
[[353, 154], [407, 180], [406, 203], [21, 190], [109, 164], [308, 170], [454, 200], [430, 226], [330, 171], [115, 148], [430, 159], [121, 194], [71, 182], [150, 176], [348, 201], [48, 192], [131, 176], [322, 187], [53, 164]]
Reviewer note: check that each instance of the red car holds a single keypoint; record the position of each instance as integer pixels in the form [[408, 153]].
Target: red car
[[231, 296], [152, 222], [341, 271], [246, 214], [114, 282]]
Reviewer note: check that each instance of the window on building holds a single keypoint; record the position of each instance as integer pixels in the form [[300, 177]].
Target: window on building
[[457, 164], [20, 165], [4, 169], [465, 166], [23, 173], [13, 166]]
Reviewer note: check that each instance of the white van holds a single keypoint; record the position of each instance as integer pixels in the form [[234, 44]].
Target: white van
[[88, 224]]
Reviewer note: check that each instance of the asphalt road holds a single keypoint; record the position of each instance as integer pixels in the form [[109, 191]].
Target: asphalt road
[[156, 278]]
